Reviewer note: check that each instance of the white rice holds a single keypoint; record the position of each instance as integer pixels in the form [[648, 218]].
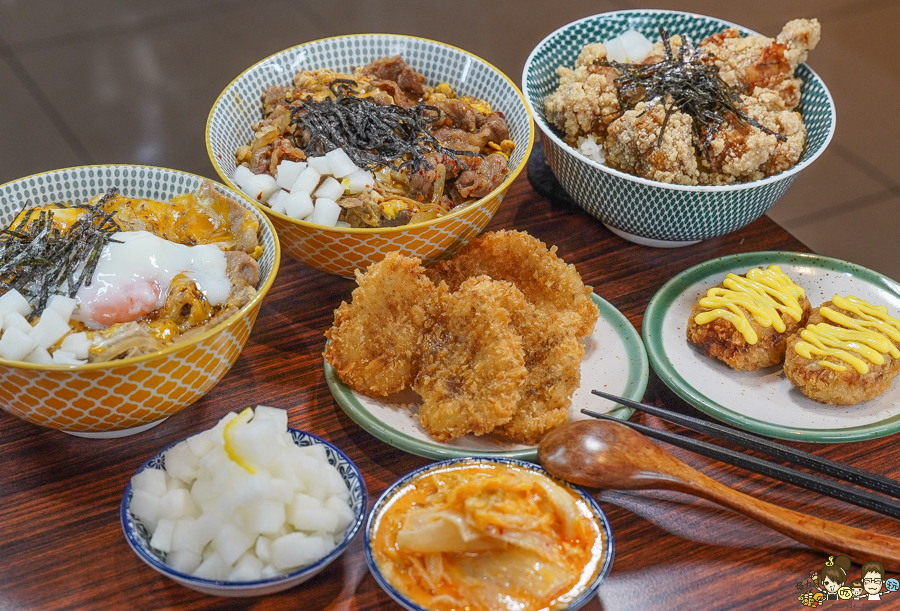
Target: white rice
[[592, 148]]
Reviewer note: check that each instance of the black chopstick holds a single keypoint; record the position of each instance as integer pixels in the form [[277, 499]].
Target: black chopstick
[[872, 481], [815, 483]]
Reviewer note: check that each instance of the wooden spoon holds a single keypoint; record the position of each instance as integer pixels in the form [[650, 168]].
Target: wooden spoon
[[609, 455]]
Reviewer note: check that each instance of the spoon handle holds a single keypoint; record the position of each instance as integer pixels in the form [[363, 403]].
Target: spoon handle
[[860, 545]]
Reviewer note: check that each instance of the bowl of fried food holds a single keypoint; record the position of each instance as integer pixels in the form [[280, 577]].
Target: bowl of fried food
[[481, 354], [487, 533], [128, 292], [356, 146], [672, 128]]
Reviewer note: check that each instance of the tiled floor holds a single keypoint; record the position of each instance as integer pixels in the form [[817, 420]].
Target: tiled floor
[[132, 82]]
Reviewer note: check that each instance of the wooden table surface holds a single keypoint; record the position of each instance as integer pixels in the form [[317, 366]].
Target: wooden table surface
[[61, 544]]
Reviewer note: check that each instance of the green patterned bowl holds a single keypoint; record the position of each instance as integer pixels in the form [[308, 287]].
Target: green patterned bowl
[[645, 211], [341, 251]]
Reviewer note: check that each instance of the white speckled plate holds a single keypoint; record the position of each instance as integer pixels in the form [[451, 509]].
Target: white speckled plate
[[764, 401], [614, 361]]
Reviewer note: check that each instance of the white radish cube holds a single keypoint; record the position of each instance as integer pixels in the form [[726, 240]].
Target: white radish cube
[[215, 460], [266, 517], [314, 520], [330, 189], [176, 504], [152, 481], [637, 46], [305, 501], [204, 493], [316, 451], [39, 356], [243, 177], [78, 344], [231, 542], [615, 50], [326, 212], [337, 485], [183, 560], [318, 483], [307, 181], [162, 536], [341, 164], [64, 357], [214, 568], [50, 328], [227, 504], [282, 491], [145, 507], [342, 510], [255, 487], [296, 549], [359, 181], [276, 201], [13, 301], [269, 571], [278, 416], [247, 568], [263, 548], [181, 462], [203, 530], [175, 484], [258, 186], [298, 205], [15, 344], [287, 172], [14, 320], [254, 442], [63, 305], [322, 165], [215, 433], [181, 539], [201, 444], [342, 224]]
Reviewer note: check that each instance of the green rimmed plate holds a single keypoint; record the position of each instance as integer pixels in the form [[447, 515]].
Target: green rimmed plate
[[615, 361], [764, 401]]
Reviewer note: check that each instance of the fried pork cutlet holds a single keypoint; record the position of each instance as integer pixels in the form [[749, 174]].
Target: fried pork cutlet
[[746, 321], [849, 352], [376, 339], [473, 365], [554, 287]]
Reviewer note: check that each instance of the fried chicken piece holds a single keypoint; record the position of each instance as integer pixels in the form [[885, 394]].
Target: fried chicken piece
[[826, 385], [740, 153], [377, 338], [631, 146], [473, 365], [759, 61], [721, 339], [553, 286], [585, 101]]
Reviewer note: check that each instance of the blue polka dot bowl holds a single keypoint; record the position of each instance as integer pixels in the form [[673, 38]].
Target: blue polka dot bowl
[[339, 250], [645, 211]]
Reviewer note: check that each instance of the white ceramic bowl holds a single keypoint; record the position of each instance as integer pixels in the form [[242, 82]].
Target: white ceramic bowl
[[645, 211], [139, 538], [400, 486]]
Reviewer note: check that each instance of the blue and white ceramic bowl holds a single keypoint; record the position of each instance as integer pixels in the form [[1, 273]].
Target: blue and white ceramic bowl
[[645, 211], [387, 498], [139, 538]]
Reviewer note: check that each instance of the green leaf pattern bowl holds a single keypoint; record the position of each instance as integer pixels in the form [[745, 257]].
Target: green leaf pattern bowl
[[645, 211]]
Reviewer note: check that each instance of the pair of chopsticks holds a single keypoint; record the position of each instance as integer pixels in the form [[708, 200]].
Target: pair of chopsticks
[[862, 498]]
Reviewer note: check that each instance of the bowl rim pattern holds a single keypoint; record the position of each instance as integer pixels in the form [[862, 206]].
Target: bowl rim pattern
[[549, 132], [254, 303], [378, 507], [350, 534], [501, 188]]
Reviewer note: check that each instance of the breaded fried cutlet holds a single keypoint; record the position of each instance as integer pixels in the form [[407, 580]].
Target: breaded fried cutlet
[[547, 281], [746, 320], [376, 339], [473, 364], [848, 353]]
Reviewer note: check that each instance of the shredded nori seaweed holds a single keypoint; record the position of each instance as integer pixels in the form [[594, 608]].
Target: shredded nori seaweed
[[688, 84], [373, 135], [40, 260]]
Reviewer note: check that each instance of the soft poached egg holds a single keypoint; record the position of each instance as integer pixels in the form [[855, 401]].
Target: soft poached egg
[[134, 272]]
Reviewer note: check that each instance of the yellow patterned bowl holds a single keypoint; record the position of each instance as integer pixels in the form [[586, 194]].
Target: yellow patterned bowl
[[126, 396], [341, 251]]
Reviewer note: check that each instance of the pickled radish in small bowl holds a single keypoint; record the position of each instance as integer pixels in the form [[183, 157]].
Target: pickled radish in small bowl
[[246, 508]]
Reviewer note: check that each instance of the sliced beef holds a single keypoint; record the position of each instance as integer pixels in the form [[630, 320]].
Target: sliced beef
[[241, 266], [484, 178], [395, 69]]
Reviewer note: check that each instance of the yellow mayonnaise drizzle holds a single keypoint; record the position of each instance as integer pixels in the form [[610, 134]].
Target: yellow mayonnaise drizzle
[[869, 335], [763, 293]]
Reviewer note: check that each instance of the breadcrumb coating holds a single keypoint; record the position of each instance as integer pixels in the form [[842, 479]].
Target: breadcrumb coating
[[631, 146]]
